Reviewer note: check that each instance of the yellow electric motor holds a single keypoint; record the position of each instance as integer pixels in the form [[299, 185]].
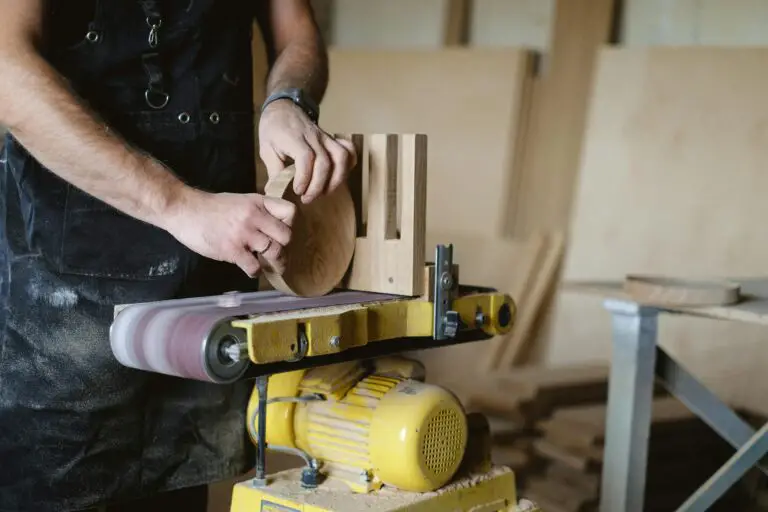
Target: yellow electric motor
[[367, 424]]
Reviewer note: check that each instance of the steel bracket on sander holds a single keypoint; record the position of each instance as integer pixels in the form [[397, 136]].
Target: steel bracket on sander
[[225, 338]]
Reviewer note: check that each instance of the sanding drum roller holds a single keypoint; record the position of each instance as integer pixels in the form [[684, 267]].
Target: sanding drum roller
[[194, 338]]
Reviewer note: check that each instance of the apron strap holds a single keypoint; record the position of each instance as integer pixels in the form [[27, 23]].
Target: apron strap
[[155, 94]]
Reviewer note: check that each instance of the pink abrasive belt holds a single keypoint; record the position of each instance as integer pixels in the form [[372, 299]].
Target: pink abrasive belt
[[175, 337]]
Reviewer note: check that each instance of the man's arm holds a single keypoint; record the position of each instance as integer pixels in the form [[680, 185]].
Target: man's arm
[[301, 59], [285, 131], [57, 128], [45, 116]]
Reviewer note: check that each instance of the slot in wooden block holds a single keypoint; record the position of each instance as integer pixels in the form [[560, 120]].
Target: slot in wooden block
[[391, 213]]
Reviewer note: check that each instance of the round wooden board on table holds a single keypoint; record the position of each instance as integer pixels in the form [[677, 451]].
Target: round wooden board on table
[[669, 291], [322, 243]]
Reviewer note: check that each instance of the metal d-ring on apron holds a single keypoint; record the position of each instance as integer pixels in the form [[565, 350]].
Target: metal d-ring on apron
[[155, 95]]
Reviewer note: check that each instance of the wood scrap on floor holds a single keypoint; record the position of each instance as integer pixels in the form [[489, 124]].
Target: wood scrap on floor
[[548, 424]]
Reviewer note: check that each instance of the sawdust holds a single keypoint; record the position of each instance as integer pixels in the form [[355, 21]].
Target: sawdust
[[165, 268], [336, 496], [56, 296], [473, 479]]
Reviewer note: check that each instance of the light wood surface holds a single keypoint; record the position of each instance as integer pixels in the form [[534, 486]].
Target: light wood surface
[[522, 268], [389, 249], [673, 182], [544, 189], [753, 308], [323, 240], [469, 103], [671, 291]]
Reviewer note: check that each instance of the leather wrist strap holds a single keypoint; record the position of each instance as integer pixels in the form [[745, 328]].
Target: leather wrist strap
[[299, 98]]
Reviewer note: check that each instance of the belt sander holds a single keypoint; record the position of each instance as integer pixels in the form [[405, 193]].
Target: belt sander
[[332, 388]]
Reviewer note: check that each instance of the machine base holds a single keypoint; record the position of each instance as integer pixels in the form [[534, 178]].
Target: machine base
[[492, 491]]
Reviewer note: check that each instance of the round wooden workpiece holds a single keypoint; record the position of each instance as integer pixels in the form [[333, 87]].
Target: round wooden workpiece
[[668, 291], [322, 243]]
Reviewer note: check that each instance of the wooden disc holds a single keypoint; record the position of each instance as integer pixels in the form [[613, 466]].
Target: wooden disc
[[322, 243], [669, 291]]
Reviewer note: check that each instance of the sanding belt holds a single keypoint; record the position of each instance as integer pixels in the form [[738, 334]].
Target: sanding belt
[[668, 291], [172, 337]]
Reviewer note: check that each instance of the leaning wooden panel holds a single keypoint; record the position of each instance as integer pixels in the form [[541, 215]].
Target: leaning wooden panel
[[468, 101], [389, 253], [673, 182]]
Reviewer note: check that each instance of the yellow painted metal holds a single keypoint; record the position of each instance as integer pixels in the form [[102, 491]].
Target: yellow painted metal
[[418, 434], [377, 425], [381, 433], [280, 417], [272, 337], [491, 492]]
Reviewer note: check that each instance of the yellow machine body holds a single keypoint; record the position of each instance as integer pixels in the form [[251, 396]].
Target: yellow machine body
[[374, 426], [382, 439], [492, 491]]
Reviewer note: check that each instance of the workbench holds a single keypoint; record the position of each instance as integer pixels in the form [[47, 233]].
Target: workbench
[[637, 362]]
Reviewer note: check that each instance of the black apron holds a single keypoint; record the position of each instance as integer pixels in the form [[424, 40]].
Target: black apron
[[76, 428]]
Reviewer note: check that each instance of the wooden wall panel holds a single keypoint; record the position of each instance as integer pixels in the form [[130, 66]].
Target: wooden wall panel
[[674, 180], [468, 103], [560, 100]]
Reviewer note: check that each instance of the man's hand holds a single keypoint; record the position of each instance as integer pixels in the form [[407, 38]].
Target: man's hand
[[232, 227], [322, 162]]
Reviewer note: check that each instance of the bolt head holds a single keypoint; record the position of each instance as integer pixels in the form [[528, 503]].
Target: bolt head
[[335, 341]]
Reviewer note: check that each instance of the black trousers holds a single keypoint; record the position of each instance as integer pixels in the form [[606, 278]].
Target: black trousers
[[192, 499]]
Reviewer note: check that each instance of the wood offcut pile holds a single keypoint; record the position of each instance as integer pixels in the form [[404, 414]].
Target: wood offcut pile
[[548, 424]]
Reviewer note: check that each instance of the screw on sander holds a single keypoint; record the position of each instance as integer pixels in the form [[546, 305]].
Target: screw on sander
[[446, 322]]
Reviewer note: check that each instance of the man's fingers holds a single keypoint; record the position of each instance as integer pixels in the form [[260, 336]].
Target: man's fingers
[[351, 151], [321, 171], [342, 162], [259, 242], [271, 159], [270, 250], [248, 263], [280, 209], [269, 227], [275, 257], [303, 160]]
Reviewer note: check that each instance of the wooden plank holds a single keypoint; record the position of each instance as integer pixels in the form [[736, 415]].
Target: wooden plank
[[388, 259], [556, 126], [752, 309], [573, 499], [506, 265], [457, 21], [672, 182], [516, 347], [468, 101]]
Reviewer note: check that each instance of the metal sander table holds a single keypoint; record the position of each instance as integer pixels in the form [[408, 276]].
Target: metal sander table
[[637, 362]]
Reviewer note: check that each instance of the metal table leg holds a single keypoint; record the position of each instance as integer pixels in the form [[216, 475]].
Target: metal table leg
[[630, 398], [745, 458], [702, 402]]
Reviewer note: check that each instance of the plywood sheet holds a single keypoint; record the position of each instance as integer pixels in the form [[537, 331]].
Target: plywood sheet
[[483, 261], [467, 101], [673, 181], [561, 96]]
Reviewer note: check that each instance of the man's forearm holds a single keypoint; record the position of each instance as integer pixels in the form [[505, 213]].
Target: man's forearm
[[303, 63], [63, 135]]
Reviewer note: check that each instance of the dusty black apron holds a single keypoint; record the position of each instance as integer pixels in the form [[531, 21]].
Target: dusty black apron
[[76, 428]]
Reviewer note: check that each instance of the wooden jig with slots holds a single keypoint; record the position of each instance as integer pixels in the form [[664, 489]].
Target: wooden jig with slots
[[389, 188]]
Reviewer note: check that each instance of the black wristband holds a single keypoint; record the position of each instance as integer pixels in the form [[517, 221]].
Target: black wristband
[[299, 98]]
